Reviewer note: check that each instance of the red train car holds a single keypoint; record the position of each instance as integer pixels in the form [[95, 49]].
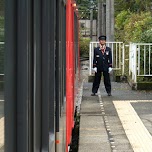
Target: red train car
[[41, 70], [70, 67]]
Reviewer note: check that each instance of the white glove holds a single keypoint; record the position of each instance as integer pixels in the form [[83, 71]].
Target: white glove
[[110, 70], [95, 69]]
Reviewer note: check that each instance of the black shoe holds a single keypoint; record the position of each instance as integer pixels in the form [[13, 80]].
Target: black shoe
[[109, 94], [93, 94]]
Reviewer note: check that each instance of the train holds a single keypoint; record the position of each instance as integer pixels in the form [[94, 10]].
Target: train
[[42, 70]]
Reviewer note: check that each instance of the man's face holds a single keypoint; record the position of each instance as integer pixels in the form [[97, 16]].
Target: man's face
[[102, 42]]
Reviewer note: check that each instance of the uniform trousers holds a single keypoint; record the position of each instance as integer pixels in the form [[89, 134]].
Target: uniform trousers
[[97, 80]]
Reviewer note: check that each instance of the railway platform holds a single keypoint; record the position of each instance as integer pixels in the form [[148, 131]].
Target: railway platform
[[119, 123]]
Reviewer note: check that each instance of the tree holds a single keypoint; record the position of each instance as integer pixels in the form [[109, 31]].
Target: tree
[[135, 6], [84, 7]]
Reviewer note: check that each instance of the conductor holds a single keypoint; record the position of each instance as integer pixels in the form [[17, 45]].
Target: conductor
[[102, 64]]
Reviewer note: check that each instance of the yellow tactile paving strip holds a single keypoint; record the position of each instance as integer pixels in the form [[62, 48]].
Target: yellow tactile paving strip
[[138, 135]]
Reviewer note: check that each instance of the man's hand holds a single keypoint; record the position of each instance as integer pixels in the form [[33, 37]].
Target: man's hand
[[95, 69], [110, 70]]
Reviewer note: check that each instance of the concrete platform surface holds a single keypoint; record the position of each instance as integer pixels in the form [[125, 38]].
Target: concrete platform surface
[[120, 123]]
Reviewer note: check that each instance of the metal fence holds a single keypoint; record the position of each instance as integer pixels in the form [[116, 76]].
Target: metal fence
[[140, 61], [118, 55]]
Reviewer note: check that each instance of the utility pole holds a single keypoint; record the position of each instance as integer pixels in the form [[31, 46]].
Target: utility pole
[[99, 18], [91, 22], [110, 20], [104, 18], [110, 27]]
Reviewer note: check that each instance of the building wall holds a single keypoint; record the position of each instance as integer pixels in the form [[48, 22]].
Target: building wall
[[85, 29]]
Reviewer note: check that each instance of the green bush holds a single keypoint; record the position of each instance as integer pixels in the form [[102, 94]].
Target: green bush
[[137, 25], [137, 28], [120, 21], [147, 36], [144, 79], [130, 27], [84, 46]]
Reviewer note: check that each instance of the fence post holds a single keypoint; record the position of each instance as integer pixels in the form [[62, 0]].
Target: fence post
[[135, 68], [123, 60], [129, 59], [90, 59]]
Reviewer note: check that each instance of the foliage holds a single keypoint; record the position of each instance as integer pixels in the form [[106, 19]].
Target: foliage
[[147, 36], [130, 27], [85, 6], [144, 85], [120, 22], [134, 6], [84, 46], [144, 79], [121, 19], [137, 25]]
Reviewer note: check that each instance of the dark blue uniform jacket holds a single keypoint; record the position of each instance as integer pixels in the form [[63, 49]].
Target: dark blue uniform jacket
[[102, 61]]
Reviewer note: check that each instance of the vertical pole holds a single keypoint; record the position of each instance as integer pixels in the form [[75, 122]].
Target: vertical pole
[[99, 17], [123, 59], [138, 59], [108, 19], [149, 60], [103, 18], [144, 59], [135, 63], [112, 20], [90, 58], [129, 59], [91, 23]]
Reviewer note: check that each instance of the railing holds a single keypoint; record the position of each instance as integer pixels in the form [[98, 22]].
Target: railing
[[118, 56], [140, 62]]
